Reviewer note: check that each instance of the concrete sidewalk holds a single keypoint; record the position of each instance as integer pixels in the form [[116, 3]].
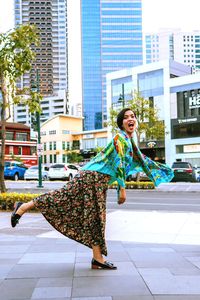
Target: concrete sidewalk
[[157, 254]]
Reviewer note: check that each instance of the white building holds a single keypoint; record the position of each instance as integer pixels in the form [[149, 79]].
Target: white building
[[176, 92], [173, 44]]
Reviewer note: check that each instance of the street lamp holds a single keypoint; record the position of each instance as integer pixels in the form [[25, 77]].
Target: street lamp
[[121, 97], [39, 145]]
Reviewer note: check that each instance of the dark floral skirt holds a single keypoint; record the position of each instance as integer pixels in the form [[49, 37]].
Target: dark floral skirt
[[78, 210]]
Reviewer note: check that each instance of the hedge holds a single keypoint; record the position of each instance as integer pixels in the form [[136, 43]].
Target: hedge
[[136, 185], [7, 200]]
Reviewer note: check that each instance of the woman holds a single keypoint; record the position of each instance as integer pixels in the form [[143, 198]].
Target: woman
[[78, 210]]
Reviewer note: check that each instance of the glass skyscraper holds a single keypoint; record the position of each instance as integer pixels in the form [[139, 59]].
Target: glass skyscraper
[[111, 40]]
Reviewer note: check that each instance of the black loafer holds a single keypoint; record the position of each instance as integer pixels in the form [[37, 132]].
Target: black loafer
[[106, 265], [15, 217]]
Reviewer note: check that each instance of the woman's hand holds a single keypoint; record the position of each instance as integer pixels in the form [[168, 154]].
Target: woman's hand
[[122, 196]]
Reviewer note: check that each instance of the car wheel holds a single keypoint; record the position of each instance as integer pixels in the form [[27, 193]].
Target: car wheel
[[16, 177], [70, 177]]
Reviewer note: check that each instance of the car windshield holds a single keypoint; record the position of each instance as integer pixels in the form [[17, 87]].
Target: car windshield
[[7, 164], [33, 168], [57, 166], [180, 165]]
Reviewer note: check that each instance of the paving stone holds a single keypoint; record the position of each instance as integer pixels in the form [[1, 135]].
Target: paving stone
[[108, 286], [137, 297], [51, 292], [177, 297], [23, 289], [54, 282], [93, 298], [40, 271], [4, 270], [147, 259], [44, 258], [14, 248], [52, 247], [174, 285], [123, 269]]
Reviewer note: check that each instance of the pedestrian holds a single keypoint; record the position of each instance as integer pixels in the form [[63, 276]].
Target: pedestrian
[[78, 210]]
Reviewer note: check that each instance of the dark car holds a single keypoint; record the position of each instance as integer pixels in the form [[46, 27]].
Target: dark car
[[14, 170], [183, 171]]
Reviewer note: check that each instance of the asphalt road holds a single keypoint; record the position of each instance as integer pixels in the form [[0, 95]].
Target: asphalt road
[[157, 200], [167, 197]]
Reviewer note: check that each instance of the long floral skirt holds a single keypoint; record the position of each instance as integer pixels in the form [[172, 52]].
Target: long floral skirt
[[78, 210]]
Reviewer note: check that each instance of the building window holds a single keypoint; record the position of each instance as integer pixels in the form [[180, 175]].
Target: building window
[[76, 145], [54, 145], [54, 158], [9, 135], [11, 152], [52, 132], [45, 146], [19, 150], [21, 137], [45, 159], [50, 145], [51, 158]]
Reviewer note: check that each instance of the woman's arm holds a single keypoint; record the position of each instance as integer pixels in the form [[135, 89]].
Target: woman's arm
[[122, 195]]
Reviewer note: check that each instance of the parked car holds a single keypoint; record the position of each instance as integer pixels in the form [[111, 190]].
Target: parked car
[[183, 171], [143, 177], [197, 172], [62, 171], [14, 170], [198, 177], [32, 173]]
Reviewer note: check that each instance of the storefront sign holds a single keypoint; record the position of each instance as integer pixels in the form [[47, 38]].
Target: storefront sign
[[194, 101], [88, 136], [180, 121], [191, 148], [151, 144]]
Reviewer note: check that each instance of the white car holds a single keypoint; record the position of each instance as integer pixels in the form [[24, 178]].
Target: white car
[[62, 171], [33, 174]]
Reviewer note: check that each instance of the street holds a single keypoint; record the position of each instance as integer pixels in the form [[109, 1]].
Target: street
[[167, 197]]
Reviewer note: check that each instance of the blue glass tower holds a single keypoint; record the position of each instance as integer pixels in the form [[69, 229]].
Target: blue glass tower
[[111, 40]]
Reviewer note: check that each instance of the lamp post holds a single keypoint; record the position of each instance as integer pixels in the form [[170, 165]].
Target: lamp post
[[121, 97], [39, 146]]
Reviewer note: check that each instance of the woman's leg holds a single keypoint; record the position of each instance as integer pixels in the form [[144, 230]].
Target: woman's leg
[[25, 207], [97, 255], [19, 210]]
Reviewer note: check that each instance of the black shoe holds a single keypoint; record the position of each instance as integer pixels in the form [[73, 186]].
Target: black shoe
[[15, 217], [106, 265]]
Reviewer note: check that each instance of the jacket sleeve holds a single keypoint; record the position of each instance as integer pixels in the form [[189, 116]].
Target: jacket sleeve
[[119, 145]]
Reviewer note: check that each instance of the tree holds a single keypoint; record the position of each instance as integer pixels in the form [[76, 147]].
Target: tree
[[16, 57], [73, 156], [149, 125]]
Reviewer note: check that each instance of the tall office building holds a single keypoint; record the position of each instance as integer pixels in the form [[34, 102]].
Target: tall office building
[[50, 16], [111, 39], [183, 47]]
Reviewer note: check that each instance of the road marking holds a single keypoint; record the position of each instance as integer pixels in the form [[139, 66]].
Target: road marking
[[162, 204]]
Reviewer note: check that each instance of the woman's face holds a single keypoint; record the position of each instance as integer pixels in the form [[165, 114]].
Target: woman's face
[[129, 122]]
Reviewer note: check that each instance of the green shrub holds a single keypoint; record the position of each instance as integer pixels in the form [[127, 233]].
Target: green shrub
[[136, 185], [7, 200]]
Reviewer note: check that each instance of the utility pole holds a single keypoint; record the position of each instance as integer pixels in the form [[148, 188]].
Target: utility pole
[[39, 145], [36, 87]]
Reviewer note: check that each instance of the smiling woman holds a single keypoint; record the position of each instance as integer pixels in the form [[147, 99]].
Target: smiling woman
[[6, 15]]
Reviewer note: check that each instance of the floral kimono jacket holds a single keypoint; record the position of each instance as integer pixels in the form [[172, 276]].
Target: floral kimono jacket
[[121, 158]]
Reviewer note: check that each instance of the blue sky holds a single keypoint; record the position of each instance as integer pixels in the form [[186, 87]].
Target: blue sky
[[156, 14]]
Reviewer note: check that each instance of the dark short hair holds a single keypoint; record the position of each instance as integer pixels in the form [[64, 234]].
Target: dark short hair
[[120, 117]]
